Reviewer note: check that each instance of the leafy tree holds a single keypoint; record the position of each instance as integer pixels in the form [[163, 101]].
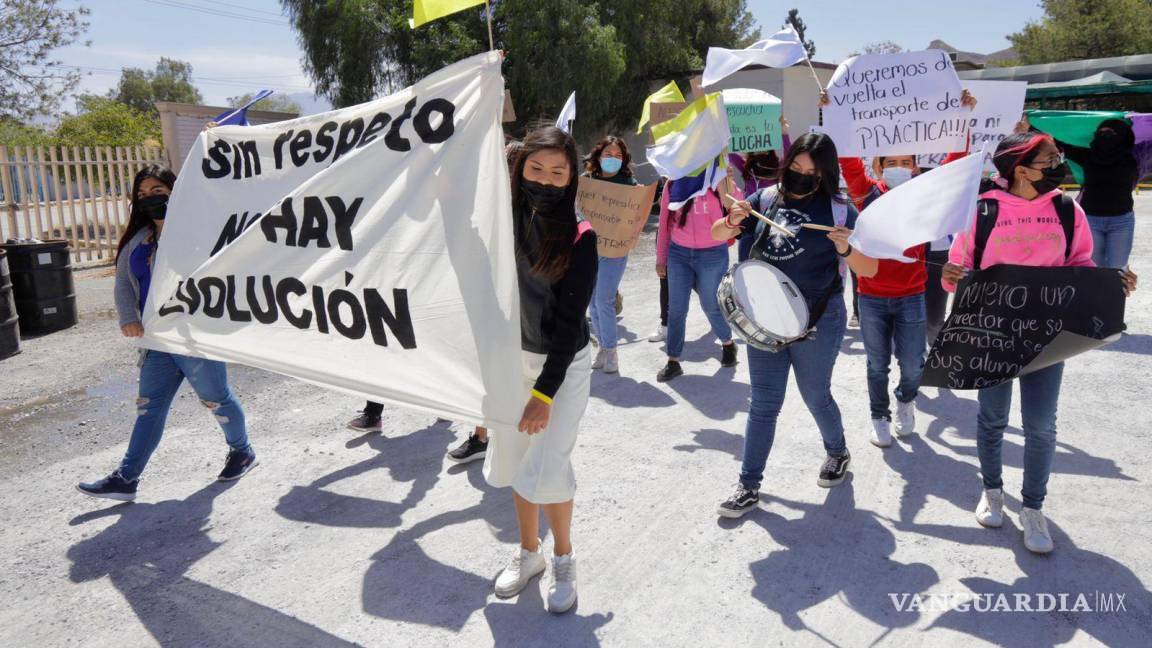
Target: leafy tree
[[797, 23], [14, 133], [170, 81], [32, 82], [107, 122], [882, 47], [1084, 29], [609, 53], [274, 103]]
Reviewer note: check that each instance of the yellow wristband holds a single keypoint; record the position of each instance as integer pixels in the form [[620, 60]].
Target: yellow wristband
[[536, 394]]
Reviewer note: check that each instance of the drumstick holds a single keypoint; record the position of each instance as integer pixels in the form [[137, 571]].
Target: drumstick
[[822, 228], [783, 230]]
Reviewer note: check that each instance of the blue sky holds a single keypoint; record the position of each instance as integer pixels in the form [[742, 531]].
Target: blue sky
[[254, 47]]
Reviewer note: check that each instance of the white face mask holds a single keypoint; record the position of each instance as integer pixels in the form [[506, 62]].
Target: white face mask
[[896, 176]]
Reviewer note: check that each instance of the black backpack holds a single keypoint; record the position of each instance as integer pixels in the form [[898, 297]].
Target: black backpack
[[987, 209]]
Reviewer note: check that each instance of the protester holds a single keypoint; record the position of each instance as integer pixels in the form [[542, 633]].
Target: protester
[[556, 265], [661, 332], [161, 374], [755, 171], [688, 256], [808, 193], [611, 162], [1028, 229]]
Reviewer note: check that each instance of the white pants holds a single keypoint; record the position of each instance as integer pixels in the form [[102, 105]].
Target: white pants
[[539, 466]]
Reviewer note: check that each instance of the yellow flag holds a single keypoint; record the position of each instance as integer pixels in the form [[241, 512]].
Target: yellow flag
[[667, 94], [428, 10]]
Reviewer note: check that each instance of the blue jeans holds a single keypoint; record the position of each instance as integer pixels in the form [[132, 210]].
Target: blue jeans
[[602, 308], [160, 378], [890, 324], [812, 361], [1112, 239], [700, 269], [1039, 392]]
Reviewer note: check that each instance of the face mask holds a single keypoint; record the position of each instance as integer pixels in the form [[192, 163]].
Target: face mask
[[896, 176], [1050, 179], [154, 207], [611, 165], [799, 184], [542, 198]]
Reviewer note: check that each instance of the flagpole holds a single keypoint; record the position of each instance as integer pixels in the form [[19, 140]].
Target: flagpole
[[488, 11], [813, 70]]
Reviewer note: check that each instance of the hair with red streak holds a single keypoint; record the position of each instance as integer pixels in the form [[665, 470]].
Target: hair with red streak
[[1016, 150]]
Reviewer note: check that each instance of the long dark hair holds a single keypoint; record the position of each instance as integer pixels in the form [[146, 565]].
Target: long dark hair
[[1018, 149], [558, 228], [137, 220], [822, 150], [1117, 147], [592, 162], [769, 157]]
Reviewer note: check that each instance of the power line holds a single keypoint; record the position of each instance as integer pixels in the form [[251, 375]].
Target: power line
[[234, 82], [218, 12], [233, 5]]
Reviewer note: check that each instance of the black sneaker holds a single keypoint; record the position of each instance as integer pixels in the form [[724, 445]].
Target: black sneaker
[[365, 423], [670, 371], [471, 450], [728, 355], [742, 501], [237, 465], [833, 471], [113, 487]]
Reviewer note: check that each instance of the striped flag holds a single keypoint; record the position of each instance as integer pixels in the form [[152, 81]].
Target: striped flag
[[692, 139], [681, 190]]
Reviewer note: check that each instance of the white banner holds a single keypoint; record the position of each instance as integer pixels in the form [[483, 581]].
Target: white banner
[[896, 104], [368, 250], [999, 106], [780, 50]]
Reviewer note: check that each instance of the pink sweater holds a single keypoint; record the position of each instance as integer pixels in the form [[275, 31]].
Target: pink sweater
[[1027, 232], [697, 231]]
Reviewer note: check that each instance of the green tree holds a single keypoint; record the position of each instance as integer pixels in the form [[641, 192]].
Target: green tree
[[107, 122], [274, 103], [32, 82], [14, 133], [170, 81], [609, 53], [1084, 29], [797, 23]]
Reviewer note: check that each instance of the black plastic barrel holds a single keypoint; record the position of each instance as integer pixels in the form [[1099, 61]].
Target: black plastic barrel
[[9, 329], [43, 286]]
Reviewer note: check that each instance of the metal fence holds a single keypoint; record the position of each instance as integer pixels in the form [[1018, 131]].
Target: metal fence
[[80, 194]]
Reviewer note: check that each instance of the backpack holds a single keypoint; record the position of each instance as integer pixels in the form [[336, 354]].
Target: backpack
[[987, 209]]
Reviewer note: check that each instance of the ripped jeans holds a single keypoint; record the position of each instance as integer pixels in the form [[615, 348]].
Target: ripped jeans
[[160, 377]]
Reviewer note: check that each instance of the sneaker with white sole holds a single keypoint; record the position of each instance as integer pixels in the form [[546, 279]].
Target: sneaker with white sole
[[365, 423], [881, 433], [990, 510], [659, 334], [833, 470], [611, 361], [562, 590], [524, 566], [598, 361], [113, 487], [905, 418], [743, 500], [1036, 536]]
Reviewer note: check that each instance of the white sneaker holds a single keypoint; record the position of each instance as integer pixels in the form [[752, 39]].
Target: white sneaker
[[881, 434], [598, 361], [1036, 536], [524, 566], [905, 418], [611, 361], [562, 591], [990, 510], [659, 334]]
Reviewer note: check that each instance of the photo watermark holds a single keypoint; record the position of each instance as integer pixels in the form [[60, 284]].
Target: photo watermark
[[1092, 602]]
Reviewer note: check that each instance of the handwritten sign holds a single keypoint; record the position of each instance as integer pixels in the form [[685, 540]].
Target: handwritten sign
[[896, 104], [663, 111], [999, 105], [617, 213], [753, 119], [1011, 320]]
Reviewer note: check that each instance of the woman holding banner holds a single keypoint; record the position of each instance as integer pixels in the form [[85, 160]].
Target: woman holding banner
[[808, 194], [161, 374], [611, 162], [556, 266], [1028, 227]]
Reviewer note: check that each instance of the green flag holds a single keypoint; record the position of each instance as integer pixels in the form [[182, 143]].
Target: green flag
[[1075, 127]]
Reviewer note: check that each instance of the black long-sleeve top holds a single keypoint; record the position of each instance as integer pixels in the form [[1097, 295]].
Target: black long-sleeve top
[[1107, 186], [552, 313]]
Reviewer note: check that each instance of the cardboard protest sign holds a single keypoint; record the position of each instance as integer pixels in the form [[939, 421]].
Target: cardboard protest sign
[[1011, 320], [896, 104], [753, 119], [617, 213], [367, 249], [999, 106], [663, 111]]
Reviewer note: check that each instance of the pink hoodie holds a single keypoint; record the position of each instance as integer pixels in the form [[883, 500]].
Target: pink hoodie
[[697, 231], [1027, 232]]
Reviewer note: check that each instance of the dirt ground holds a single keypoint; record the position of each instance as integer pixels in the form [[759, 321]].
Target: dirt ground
[[339, 539]]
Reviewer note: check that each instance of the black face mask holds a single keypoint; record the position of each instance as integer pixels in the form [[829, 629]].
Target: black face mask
[[154, 207], [1051, 179], [542, 198], [799, 184]]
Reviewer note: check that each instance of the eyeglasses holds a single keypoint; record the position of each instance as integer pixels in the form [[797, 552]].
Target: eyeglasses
[[1053, 162]]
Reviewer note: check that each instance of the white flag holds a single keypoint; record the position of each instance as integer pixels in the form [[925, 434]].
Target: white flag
[[688, 141], [780, 50], [568, 114], [928, 207], [367, 249]]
